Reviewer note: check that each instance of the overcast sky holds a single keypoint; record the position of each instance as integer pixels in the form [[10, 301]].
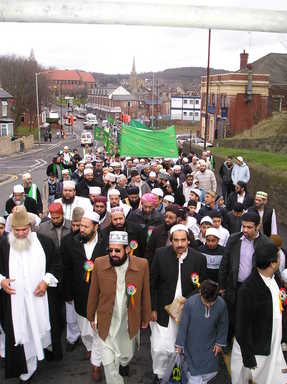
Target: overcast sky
[[110, 49]]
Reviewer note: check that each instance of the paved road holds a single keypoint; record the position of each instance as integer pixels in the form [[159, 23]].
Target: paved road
[[73, 369]]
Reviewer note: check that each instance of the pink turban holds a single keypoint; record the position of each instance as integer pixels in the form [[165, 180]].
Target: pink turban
[[149, 198]]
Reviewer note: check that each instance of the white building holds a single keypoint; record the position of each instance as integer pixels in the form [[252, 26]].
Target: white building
[[185, 108]]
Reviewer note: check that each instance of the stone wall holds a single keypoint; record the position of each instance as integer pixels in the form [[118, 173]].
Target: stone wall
[[269, 144], [8, 147], [261, 180]]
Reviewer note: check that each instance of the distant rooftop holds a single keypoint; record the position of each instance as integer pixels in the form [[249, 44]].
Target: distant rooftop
[[4, 94]]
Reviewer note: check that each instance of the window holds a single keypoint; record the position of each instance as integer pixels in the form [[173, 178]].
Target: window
[[190, 101], [196, 101], [184, 101], [196, 114], [4, 109], [3, 129], [190, 113], [184, 113]]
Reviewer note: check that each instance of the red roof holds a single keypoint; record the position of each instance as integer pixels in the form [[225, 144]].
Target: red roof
[[58, 75]]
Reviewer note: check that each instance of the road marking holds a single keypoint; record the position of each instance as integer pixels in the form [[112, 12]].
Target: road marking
[[11, 179]]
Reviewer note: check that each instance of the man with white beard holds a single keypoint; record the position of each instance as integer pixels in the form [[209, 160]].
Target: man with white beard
[[29, 273]]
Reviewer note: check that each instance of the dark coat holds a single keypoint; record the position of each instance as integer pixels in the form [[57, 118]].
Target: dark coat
[[147, 223], [135, 232], [232, 199], [82, 188], [266, 219], [229, 267], [73, 258], [15, 362], [39, 199], [29, 203], [233, 223], [254, 319], [164, 275], [47, 228]]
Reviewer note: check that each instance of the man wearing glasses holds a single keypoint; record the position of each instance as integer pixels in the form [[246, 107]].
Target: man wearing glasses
[[119, 304]]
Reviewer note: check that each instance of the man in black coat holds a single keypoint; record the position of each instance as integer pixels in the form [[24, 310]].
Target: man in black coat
[[136, 234], [225, 174], [19, 198], [176, 271], [29, 274], [238, 262], [240, 196], [78, 255], [258, 336], [82, 188]]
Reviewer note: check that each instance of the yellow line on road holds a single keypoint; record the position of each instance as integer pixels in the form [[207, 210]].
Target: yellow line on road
[[10, 180]]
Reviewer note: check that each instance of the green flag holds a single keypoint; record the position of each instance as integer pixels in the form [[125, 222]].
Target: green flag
[[97, 132], [110, 120], [106, 137], [137, 124], [110, 146], [148, 143]]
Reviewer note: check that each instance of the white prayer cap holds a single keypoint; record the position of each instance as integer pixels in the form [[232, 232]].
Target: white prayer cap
[[239, 158], [212, 232], [169, 198], [157, 192], [69, 184], [196, 191], [118, 237], [152, 174], [110, 176], [177, 167], [136, 161], [121, 176], [66, 147], [18, 188], [206, 219], [65, 172], [117, 209], [88, 171], [201, 162], [89, 166], [114, 192], [26, 176], [178, 227], [81, 162], [185, 160], [284, 276], [2, 220], [115, 164], [93, 216], [95, 190]]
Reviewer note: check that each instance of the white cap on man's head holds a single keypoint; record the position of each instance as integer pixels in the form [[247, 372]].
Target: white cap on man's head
[[18, 188], [2, 220], [26, 176], [239, 158], [169, 198], [91, 215], [206, 219], [157, 192], [119, 237], [212, 232], [178, 227], [152, 174], [65, 172], [114, 192], [69, 184], [88, 171], [66, 147], [95, 190]]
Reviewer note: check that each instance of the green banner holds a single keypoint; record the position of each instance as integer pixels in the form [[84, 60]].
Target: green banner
[[110, 147], [98, 133], [106, 137], [148, 143], [110, 120], [138, 124]]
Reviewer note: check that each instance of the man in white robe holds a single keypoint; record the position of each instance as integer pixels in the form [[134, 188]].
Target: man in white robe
[[257, 354], [28, 266]]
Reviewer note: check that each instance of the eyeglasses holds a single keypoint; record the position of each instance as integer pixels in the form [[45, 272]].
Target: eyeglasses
[[116, 250]]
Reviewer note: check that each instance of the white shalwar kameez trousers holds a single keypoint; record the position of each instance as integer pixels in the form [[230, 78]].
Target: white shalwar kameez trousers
[[269, 368], [118, 348], [2, 343], [163, 338], [30, 314], [90, 338]]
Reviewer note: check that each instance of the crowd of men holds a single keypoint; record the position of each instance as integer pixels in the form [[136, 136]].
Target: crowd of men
[[113, 245]]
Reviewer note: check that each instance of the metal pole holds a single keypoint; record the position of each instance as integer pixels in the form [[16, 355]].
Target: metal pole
[[38, 112], [207, 89], [152, 100], [164, 14]]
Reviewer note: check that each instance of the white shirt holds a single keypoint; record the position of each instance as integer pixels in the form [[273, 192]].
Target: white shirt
[[90, 246]]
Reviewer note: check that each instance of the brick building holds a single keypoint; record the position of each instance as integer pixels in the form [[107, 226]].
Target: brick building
[[236, 101], [6, 114], [69, 82]]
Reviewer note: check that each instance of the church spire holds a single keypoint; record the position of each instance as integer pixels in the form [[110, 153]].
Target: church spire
[[133, 78]]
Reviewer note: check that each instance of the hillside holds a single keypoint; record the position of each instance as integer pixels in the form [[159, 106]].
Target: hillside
[[275, 64], [185, 77], [271, 127]]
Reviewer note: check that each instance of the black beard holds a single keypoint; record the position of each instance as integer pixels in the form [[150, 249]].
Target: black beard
[[103, 215], [67, 201], [118, 263], [168, 226], [135, 204], [58, 225], [85, 238]]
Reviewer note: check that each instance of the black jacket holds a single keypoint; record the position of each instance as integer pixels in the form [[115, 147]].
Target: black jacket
[[225, 173], [164, 275], [73, 258], [15, 362], [232, 199], [266, 219], [229, 267], [254, 319], [233, 223], [135, 232], [29, 203], [82, 188], [147, 223]]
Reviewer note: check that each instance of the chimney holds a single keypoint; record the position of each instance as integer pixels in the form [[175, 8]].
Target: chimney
[[243, 60]]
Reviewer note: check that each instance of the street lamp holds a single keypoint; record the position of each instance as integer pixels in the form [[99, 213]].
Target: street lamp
[[37, 101]]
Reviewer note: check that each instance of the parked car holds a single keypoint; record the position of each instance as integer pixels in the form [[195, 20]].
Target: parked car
[[200, 142], [91, 121], [87, 138], [182, 138]]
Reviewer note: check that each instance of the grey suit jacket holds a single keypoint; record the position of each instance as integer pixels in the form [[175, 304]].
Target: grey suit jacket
[[47, 229]]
